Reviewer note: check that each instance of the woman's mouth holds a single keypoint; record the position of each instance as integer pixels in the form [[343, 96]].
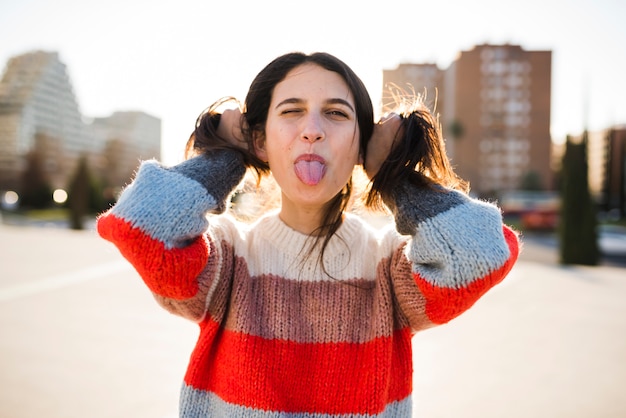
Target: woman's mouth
[[310, 169]]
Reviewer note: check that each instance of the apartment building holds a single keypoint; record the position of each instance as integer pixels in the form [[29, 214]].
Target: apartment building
[[494, 102], [424, 79], [125, 138], [615, 180], [606, 163], [38, 110]]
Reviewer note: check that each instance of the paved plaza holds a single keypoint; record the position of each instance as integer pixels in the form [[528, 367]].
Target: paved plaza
[[80, 336]]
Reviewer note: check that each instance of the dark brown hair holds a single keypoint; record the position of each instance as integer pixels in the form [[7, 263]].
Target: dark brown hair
[[418, 154], [256, 108]]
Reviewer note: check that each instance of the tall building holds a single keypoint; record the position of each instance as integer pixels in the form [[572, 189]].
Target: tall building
[[494, 104], [39, 113], [499, 103], [38, 110], [606, 162], [597, 162], [615, 182], [123, 139]]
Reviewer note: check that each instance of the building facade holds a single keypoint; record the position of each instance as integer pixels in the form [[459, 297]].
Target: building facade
[[39, 114], [615, 180], [39, 111], [125, 138], [494, 102], [423, 79], [606, 162]]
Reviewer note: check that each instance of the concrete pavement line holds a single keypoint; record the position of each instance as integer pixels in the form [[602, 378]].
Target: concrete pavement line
[[101, 270], [63, 280]]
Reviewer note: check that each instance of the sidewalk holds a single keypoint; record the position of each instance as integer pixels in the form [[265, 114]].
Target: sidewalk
[[81, 336], [548, 342]]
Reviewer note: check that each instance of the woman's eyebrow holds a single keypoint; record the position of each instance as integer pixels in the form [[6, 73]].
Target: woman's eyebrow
[[292, 100], [295, 100], [341, 101]]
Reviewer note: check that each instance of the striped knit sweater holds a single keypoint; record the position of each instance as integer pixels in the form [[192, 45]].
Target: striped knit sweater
[[279, 337]]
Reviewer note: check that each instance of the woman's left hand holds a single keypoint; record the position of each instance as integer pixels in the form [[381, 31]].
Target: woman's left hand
[[230, 127], [383, 138]]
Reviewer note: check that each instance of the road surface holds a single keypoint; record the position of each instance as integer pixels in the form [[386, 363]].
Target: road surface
[[80, 336]]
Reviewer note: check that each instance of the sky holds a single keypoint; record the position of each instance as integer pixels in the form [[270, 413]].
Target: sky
[[174, 59]]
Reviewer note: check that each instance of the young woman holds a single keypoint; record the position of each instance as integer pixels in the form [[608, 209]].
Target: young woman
[[309, 312]]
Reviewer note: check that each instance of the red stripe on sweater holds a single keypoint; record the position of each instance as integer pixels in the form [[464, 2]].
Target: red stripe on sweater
[[444, 304], [285, 376], [169, 273]]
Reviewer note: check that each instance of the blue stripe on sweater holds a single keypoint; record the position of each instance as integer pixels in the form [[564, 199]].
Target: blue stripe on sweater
[[460, 245], [153, 203], [196, 403]]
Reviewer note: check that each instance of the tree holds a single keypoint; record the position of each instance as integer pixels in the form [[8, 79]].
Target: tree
[[577, 226], [456, 129], [531, 180], [84, 195], [34, 190]]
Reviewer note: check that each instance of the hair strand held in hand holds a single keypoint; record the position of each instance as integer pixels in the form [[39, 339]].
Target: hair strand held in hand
[[418, 155]]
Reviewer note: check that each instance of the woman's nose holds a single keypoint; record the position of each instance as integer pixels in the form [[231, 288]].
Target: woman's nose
[[313, 130]]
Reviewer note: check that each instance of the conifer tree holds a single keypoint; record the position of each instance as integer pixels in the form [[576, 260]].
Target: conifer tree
[[577, 227], [34, 191], [79, 195]]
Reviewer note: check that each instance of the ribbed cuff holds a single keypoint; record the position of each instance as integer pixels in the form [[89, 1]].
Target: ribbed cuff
[[413, 205], [219, 173]]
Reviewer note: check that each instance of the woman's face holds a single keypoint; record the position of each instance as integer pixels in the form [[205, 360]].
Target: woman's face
[[311, 137]]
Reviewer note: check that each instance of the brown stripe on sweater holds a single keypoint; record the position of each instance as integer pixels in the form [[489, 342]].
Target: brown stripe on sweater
[[408, 295], [306, 311], [313, 311]]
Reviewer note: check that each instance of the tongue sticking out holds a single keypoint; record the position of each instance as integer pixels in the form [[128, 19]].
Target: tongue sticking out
[[310, 172]]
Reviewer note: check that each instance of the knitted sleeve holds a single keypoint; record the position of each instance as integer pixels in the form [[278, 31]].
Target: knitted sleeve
[[159, 221], [459, 249]]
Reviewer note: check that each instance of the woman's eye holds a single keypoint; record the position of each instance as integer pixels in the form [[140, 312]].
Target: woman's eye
[[337, 114], [290, 111]]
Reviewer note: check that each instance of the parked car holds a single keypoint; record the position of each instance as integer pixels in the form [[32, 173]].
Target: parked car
[[612, 239], [536, 210]]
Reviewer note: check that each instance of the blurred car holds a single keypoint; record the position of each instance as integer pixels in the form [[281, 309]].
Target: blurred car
[[536, 210], [537, 219], [612, 239]]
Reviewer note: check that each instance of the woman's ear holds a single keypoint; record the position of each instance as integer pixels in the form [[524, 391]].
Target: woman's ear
[[258, 140]]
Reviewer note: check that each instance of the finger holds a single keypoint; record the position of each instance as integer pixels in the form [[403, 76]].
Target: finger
[[388, 117]]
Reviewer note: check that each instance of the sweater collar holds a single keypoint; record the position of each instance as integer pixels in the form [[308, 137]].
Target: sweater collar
[[292, 242]]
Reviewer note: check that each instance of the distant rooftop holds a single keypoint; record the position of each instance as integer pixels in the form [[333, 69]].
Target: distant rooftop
[[21, 75]]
